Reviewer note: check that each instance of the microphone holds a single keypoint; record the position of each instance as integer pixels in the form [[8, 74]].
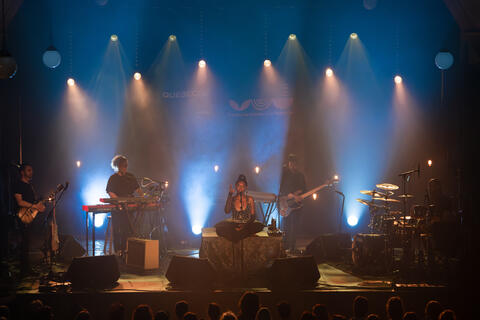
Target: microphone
[[340, 193], [66, 186]]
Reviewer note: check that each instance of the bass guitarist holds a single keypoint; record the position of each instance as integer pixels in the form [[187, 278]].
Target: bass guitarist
[[293, 181], [26, 197]]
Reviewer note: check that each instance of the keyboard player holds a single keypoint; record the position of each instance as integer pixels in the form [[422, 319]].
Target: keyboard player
[[121, 184]]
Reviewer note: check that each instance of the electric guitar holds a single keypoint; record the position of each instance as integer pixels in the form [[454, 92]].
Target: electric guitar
[[27, 215], [287, 204]]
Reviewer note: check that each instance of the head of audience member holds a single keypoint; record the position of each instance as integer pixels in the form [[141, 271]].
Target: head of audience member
[[116, 311], [410, 316], [307, 315], [284, 310], [394, 308], [263, 314], [447, 314], [181, 307], [161, 315], [190, 316], [142, 312], [228, 315], [249, 304], [433, 309], [214, 311], [3, 318], [34, 308], [45, 313], [338, 317], [320, 312], [360, 307], [373, 316], [83, 315], [4, 311]]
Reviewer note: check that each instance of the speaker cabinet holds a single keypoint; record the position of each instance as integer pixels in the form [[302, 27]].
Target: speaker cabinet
[[296, 272], [93, 272], [330, 247], [142, 253], [190, 272]]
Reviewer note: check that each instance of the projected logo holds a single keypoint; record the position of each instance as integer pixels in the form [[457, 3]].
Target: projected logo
[[262, 104]]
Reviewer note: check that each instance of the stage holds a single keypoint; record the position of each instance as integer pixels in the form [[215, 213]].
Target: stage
[[335, 288]]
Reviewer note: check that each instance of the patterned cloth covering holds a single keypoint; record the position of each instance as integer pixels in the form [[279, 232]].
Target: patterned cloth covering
[[246, 257]]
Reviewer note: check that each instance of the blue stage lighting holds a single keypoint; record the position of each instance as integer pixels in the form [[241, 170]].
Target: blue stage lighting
[[93, 189], [197, 229], [198, 188], [352, 221]]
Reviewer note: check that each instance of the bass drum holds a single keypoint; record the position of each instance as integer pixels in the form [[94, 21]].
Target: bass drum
[[371, 254]]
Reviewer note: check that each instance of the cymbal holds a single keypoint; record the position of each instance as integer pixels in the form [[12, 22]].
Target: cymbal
[[367, 203], [387, 186], [406, 196], [374, 193], [385, 199]]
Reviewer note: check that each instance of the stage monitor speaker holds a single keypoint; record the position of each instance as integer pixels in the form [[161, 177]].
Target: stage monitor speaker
[[295, 272], [189, 272], [93, 272], [69, 248], [330, 246]]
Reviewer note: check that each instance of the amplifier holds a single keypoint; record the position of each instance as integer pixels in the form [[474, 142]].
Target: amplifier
[[142, 253]]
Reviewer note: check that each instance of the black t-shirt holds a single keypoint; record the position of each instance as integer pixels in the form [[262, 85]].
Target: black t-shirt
[[122, 186], [292, 181], [26, 190]]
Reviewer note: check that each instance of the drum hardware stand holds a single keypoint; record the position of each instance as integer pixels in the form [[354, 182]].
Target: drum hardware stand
[[406, 242]]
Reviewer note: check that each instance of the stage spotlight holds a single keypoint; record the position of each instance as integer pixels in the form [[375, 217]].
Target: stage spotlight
[[352, 221], [329, 72], [292, 37], [257, 169], [397, 79], [202, 63], [137, 75], [216, 168], [353, 35], [79, 163], [70, 82], [429, 163], [172, 37], [166, 184], [114, 37], [196, 229], [336, 178], [267, 63], [314, 196]]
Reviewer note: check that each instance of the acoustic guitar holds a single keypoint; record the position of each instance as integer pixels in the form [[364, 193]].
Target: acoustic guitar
[[287, 204]]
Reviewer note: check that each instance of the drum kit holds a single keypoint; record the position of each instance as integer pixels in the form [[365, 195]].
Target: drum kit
[[389, 228]]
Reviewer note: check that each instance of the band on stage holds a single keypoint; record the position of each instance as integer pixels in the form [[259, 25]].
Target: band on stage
[[436, 216]]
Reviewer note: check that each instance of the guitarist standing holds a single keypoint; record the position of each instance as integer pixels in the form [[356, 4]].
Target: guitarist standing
[[25, 197], [293, 181]]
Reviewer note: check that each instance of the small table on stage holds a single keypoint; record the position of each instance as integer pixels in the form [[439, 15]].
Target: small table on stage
[[245, 257]]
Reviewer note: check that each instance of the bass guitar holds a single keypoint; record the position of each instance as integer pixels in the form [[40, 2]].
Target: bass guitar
[[287, 204], [27, 215]]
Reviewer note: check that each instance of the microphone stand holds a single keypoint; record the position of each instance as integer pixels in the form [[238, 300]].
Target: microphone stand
[[343, 206]]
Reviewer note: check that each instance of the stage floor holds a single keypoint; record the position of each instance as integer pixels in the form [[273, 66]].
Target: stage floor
[[336, 288]]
